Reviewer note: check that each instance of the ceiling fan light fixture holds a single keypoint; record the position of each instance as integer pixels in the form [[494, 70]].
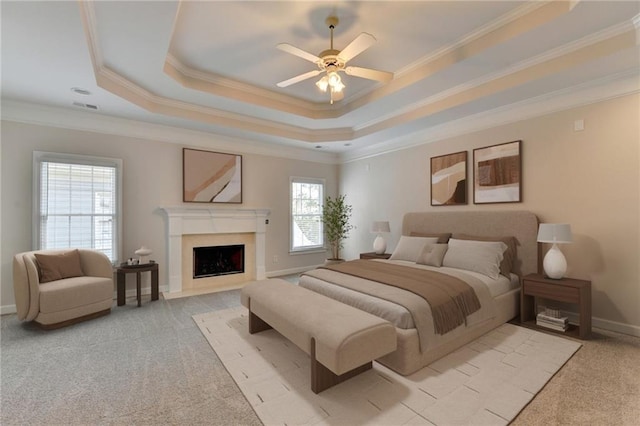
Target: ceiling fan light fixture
[[323, 83], [334, 79], [331, 81]]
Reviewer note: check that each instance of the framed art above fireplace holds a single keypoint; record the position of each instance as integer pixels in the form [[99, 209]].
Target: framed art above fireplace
[[211, 177]]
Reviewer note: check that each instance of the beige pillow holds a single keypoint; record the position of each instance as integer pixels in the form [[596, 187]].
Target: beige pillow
[[55, 267], [443, 237], [483, 257], [409, 248], [432, 255], [510, 255]]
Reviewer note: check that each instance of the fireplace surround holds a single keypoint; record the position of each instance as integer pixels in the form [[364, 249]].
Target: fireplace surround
[[188, 226]]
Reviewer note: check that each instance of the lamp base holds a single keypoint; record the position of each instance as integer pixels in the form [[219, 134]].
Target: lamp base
[[379, 245], [554, 264]]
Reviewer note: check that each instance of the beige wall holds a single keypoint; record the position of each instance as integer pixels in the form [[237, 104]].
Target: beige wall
[[152, 177], [589, 179]]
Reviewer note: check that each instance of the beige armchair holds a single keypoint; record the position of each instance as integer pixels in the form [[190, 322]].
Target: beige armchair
[[62, 287]]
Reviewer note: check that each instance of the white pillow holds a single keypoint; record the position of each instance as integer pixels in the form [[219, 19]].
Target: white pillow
[[483, 257], [409, 248]]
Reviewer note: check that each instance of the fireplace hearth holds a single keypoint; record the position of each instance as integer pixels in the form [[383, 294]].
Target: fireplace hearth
[[218, 260]]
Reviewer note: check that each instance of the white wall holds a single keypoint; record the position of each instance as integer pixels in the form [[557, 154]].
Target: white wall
[[589, 179], [152, 177]]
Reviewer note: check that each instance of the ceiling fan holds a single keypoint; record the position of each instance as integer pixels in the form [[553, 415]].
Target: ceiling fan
[[332, 61]]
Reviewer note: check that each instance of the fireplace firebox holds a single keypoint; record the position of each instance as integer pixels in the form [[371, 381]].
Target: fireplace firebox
[[218, 260]]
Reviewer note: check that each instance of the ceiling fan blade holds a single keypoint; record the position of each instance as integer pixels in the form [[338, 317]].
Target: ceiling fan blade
[[357, 46], [298, 52], [298, 78], [370, 74]]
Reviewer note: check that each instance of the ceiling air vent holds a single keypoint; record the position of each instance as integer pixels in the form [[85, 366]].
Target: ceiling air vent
[[87, 106]]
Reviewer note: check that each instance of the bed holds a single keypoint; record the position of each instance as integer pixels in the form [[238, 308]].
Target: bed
[[421, 339]]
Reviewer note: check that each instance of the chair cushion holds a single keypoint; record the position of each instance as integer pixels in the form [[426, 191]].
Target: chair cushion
[[69, 293], [58, 266]]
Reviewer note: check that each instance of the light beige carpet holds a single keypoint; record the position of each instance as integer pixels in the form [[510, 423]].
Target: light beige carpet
[[488, 381]]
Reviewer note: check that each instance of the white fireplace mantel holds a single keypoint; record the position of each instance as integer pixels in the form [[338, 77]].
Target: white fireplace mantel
[[187, 220]]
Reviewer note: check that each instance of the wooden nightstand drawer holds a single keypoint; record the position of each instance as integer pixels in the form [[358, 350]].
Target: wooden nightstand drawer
[[550, 291]]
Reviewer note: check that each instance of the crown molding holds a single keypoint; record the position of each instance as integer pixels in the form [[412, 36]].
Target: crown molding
[[476, 34], [220, 86], [126, 89], [90, 26], [65, 118], [636, 24], [610, 87], [551, 55], [617, 85], [507, 27]]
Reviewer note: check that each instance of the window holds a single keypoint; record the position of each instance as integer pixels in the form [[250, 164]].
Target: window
[[77, 202], [307, 197]]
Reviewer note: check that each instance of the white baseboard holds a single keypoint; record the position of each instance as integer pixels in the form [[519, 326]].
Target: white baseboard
[[617, 327], [7, 309], [271, 274]]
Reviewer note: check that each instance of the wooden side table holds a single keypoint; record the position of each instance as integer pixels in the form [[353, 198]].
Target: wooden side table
[[123, 270], [374, 255], [568, 290]]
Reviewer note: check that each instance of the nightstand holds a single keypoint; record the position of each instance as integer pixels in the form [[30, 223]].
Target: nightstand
[[374, 255], [568, 290]]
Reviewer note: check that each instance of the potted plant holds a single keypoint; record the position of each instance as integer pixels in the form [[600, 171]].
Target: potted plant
[[335, 218]]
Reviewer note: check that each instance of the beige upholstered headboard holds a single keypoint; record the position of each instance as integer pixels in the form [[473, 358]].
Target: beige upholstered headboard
[[522, 225]]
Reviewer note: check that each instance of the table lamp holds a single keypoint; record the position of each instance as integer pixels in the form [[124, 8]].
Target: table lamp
[[379, 244], [554, 264]]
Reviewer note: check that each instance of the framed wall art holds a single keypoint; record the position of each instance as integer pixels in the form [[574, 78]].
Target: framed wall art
[[211, 177], [497, 173], [449, 179]]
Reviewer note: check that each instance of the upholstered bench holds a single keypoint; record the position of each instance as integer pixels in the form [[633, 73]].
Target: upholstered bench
[[341, 340]]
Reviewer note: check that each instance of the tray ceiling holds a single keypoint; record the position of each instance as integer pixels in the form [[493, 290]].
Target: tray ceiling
[[213, 66]]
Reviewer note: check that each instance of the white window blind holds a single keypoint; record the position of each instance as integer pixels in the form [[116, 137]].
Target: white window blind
[[78, 202], [307, 197]]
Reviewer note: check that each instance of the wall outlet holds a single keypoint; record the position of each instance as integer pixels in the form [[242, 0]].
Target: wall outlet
[[275, 258]]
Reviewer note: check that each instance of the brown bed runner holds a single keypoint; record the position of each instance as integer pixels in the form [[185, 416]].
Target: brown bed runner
[[450, 298]]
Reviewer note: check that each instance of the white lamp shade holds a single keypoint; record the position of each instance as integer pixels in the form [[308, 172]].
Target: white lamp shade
[[380, 227], [554, 233]]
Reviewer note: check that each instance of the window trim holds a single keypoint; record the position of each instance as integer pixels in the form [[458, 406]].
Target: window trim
[[307, 250], [43, 156]]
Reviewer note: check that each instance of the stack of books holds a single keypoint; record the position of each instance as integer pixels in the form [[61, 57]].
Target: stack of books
[[552, 319]]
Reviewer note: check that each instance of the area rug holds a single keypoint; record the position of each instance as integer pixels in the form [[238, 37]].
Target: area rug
[[486, 382]]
